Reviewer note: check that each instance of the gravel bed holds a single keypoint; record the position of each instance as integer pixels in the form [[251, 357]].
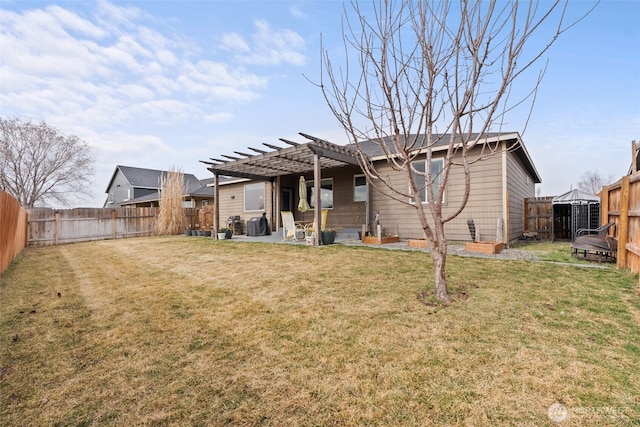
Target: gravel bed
[[454, 249], [508, 253]]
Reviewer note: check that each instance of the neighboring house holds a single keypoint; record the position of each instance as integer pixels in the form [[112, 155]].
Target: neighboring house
[[139, 187], [269, 182]]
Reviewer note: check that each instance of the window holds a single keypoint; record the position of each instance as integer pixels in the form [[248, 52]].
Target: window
[[254, 197], [360, 188], [205, 203], [436, 172], [326, 193]]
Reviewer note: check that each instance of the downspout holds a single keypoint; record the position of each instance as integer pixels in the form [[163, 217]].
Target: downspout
[[277, 194], [367, 206], [216, 201], [505, 196]]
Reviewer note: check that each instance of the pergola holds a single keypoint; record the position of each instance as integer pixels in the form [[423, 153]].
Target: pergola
[[270, 165]]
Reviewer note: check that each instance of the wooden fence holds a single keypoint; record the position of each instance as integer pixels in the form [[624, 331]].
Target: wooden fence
[[620, 203], [538, 216], [54, 227], [13, 226]]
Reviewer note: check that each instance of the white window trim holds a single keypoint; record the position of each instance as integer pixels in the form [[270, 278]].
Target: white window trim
[[425, 201], [244, 194], [366, 186], [310, 185]]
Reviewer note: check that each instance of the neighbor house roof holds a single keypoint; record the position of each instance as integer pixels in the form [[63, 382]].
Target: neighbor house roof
[[148, 178], [151, 179]]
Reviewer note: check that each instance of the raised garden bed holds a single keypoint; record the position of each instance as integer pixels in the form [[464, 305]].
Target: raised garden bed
[[418, 243], [483, 247], [373, 240]]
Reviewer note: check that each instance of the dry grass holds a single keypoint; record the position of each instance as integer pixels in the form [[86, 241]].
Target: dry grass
[[180, 331], [171, 218]]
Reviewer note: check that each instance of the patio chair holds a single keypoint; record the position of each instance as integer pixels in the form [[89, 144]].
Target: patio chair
[[602, 231], [290, 230], [310, 228]]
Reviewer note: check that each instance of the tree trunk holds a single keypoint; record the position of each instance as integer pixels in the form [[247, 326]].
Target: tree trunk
[[440, 277]]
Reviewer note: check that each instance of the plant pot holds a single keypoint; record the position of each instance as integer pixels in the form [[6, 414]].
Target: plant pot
[[222, 236], [207, 233], [328, 237], [187, 233]]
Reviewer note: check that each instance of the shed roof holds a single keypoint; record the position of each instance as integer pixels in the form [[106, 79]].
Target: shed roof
[[575, 197]]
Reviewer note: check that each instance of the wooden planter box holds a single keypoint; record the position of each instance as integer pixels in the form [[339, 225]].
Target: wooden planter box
[[483, 247], [418, 243], [372, 240]]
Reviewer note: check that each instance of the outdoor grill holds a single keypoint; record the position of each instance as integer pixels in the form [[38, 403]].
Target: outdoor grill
[[258, 226]]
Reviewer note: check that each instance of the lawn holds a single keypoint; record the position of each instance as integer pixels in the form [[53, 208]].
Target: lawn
[[195, 331]]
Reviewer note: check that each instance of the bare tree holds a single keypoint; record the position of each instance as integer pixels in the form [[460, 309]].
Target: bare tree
[[39, 165], [592, 182], [423, 74]]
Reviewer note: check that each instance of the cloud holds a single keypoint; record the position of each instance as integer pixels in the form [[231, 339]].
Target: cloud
[[297, 12], [128, 83], [111, 66], [267, 46], [218, 117]]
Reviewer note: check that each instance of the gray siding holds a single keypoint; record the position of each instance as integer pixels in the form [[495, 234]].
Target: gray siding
[[118, 190], [485, 204], [232, 203], [520, 186]]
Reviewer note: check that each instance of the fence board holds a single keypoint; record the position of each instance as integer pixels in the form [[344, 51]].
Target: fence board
[[13, 226], [622, 202], [52, 227], [539, 216]]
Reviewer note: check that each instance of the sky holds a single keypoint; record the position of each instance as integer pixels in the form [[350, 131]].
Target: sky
[[164, 84]]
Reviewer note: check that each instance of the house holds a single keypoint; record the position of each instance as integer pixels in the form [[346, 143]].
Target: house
[[268, 181], [139, 187]]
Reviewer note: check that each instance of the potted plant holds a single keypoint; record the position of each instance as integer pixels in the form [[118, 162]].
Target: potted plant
[[328, 236], [222, 234]]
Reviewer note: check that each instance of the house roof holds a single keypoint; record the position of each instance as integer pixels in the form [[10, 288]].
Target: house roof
[[297, 158], [375, 150]]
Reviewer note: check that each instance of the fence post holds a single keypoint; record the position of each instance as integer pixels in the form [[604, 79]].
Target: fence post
[[114, 225], [623, 224], [604, 205], [56, 224]]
